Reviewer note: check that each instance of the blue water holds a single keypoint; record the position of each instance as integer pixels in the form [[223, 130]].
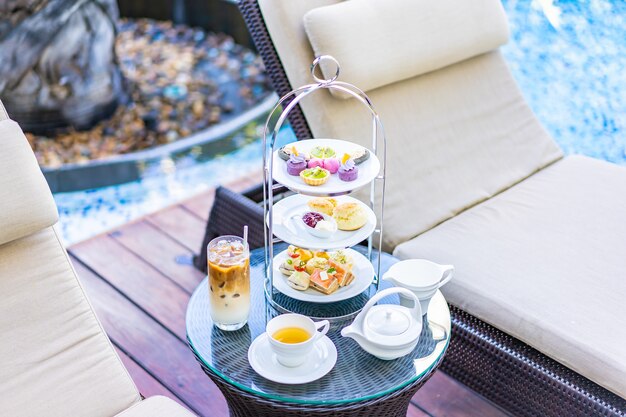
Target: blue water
[[568, 57]]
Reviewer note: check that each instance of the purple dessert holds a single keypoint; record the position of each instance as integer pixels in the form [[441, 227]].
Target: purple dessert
[[296, 164], [348, 170]]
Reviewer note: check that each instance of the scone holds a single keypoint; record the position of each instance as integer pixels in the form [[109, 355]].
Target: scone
[[349, 216], [323, 205]]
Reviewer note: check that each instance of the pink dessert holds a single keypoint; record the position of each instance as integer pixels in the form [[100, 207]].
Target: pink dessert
[[348, 170], [329, 164], [296, 164]]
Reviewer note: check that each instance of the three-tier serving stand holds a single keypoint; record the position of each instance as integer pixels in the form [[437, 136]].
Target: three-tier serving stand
[[281, 302]]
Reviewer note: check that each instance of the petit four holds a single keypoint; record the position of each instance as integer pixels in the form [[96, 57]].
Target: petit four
[[299, 280], [322, 152], [315, 176], [330, 164], [342, 258], [296, 163], [361, 155], [349, 216], [316, 263], [348, 170], [285, 152], [341, 273], [324, 282], [286, 267], [321, 254], [295, 252], [323, 205]]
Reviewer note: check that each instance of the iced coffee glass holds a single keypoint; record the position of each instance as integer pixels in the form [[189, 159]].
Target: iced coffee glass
[[229, 281]]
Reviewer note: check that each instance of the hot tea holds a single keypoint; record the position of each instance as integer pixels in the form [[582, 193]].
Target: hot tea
[[291, 335]]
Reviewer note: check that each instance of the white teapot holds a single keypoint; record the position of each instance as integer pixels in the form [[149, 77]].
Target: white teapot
[[387, 331], [423, 278]]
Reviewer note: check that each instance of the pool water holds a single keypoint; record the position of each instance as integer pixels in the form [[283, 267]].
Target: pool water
[[568, 57]]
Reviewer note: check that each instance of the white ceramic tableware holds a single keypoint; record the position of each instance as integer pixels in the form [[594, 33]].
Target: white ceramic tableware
[[319, 231], [294, 354], [362, 269], [289, 227], [387, 331], [420, 276], [320, 361], [368, 170]]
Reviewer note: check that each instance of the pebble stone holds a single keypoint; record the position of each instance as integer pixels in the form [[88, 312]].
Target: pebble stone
[[178, 79]]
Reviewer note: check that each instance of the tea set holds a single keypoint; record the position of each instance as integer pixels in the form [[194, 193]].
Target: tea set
[[295, 349]]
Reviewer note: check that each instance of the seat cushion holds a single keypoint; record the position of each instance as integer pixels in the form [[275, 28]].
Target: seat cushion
[[545, 261], [157, 406], [455, 136], [55, 359], [403, 39], [26, 203]]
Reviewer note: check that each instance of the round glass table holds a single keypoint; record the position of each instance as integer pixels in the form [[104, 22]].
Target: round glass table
[[359, 384]]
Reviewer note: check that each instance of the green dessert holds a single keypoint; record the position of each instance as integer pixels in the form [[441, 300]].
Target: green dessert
[[315, 176], [322, 152]]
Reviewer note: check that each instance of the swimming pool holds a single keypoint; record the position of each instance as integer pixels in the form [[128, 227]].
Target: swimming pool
[[568, 57]]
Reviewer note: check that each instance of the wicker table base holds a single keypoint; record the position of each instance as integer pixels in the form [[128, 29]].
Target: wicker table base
[[244, 404]]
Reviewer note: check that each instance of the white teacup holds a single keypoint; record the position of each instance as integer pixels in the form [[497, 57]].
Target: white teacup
[[289, 353]]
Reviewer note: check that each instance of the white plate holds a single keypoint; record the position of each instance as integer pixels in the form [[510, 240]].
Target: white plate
[[321, 360], [361, 268], [368, 170], [289, 227]]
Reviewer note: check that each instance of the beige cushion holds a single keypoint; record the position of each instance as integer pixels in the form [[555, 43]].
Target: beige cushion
[[544, 261], [456, 136], [55, 359], [3, 112], [156, 406], [380, 42], [26, 204]]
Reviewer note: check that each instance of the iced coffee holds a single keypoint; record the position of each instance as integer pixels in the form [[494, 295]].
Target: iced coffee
[[229, 281]]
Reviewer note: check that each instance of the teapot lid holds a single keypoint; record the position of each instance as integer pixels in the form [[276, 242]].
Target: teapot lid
[[388, 321]]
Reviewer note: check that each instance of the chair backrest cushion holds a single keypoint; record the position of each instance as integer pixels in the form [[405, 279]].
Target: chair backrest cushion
[[381, 42], [55, 359], [3, 112], [455, 136], [26, 203]]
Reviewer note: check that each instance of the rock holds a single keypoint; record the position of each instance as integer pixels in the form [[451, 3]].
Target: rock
[[175, 80]]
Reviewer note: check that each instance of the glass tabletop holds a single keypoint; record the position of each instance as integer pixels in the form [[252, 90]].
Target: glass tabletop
[[357, 375]]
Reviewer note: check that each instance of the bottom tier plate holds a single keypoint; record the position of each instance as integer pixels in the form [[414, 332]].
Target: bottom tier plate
[[363, 276]]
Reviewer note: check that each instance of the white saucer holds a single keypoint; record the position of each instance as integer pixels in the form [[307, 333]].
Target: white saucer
[[321, 360]]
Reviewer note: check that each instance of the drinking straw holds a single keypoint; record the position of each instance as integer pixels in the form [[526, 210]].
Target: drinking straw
[[245, 234]]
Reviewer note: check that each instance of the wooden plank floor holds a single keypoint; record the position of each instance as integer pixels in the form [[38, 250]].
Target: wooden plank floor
[[139, 278]]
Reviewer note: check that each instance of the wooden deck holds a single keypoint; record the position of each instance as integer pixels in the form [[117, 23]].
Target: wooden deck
[[139, 278]]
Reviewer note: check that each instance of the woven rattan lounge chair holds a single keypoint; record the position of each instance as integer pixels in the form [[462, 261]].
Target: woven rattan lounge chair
[[473, 179], [55, 359]]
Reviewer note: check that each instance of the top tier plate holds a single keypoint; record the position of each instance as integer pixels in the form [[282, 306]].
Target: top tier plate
[[368, 170]]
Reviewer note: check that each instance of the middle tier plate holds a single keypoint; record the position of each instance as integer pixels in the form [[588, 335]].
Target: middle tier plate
[[289, 227]]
